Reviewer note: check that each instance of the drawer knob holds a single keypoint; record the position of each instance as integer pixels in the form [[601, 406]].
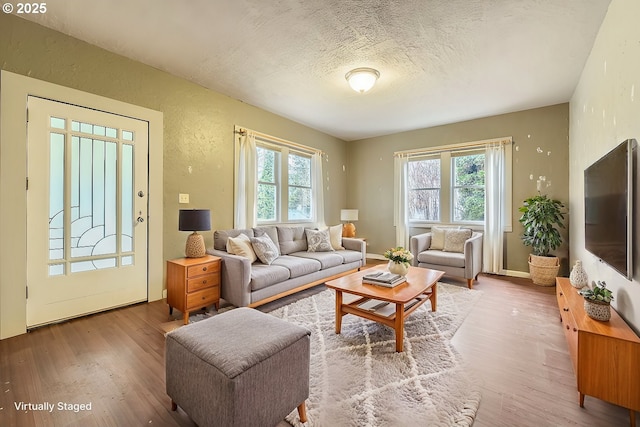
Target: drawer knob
[[561, 294], [204, 268], [204, 282], [565, 309], [203, 297], [567, 326], [575, 330]]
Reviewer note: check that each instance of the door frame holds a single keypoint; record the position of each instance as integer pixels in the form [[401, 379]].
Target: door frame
[[14, 90]]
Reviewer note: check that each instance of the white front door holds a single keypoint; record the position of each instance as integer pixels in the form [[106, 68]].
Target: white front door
[[86, 211]]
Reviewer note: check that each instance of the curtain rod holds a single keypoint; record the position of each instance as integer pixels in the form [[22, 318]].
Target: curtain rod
[[474, 144], [243, 131]]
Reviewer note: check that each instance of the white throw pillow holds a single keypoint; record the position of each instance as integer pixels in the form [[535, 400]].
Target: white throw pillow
[[265, 249], [437, 238], [318, 241], [454, 239], [241, 246], [335, 234]]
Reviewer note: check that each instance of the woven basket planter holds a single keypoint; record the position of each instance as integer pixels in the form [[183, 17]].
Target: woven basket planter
[[543, 269], [597, 310]]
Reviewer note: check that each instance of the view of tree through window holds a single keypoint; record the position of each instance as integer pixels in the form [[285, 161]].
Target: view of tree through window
[[424, 190], [299, 187], [289, 185], [467, 183], [267, 189], [468, 188]]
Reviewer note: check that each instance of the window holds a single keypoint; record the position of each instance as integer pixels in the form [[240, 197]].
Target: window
[[424, 190], [447, 187], [468, 187], [285, 188]]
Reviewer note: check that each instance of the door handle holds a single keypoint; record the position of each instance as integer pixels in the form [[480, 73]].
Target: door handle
[[140, 219]]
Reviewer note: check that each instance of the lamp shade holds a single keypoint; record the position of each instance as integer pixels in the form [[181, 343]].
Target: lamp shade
[[348, 214], [194, 220]]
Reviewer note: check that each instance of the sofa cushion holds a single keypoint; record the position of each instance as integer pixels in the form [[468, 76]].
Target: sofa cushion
[[241, 246], [454, 239], [349, 256], [297, 266], [318, 240], [292, 239], [268, 230], [266, 275], [327, 259], [451, 259], [220, 237], [265, 249], [335, 233]]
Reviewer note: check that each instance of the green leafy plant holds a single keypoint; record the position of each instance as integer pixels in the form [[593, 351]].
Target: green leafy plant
[[599, 292], [542, 217]]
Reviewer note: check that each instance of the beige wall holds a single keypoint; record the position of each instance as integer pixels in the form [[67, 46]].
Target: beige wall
[[370, 170], [605, 110], [198, 124]]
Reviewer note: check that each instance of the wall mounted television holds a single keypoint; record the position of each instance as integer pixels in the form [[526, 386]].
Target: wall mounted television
[[608, 204]]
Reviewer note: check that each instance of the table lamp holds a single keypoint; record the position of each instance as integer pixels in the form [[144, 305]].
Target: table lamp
[[349, 230], [195, 220]]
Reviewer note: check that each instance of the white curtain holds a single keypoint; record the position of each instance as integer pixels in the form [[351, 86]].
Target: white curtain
[[245, 191], [494, 209], [318, 189], [400, 219]]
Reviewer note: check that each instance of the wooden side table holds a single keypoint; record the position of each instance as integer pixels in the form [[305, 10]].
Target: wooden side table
[[193, 283]]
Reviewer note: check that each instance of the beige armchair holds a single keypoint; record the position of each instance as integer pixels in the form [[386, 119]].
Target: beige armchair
[[451, 251]]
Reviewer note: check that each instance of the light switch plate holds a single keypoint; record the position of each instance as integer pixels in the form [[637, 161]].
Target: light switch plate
[[183, 198]]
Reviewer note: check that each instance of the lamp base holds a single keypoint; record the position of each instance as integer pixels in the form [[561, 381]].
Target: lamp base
[[349, 230], [195, 246]]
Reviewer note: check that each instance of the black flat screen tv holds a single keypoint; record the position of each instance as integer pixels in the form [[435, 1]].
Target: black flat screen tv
[[608, 205]]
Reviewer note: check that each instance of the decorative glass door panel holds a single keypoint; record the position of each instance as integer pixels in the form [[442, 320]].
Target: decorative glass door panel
[[93, 182]]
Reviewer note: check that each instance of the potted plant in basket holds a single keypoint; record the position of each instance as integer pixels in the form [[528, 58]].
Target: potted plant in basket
[[542, 218], [597, 301], [399, 259]]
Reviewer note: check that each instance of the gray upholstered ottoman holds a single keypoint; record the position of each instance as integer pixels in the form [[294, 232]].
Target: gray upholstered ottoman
[[239, 368]]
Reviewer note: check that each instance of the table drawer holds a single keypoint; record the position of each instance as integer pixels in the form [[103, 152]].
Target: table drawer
[[201, 269], [202, 282], [203, 298]]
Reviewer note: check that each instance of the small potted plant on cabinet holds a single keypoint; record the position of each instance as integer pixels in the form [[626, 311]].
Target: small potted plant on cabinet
[[542, 217], [597, 301]]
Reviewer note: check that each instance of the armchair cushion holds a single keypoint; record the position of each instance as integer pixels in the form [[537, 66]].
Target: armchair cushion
[[437, 238], [454, 240], [451, 259]]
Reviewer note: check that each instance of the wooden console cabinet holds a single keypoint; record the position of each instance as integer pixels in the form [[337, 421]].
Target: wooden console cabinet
[[193, 283], [605, 355]]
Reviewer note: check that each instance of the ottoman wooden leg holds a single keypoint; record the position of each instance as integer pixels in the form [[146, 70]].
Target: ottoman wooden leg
[[302, 412]]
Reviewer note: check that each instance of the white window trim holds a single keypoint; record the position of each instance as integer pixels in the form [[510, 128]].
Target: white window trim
[[246, 217], [453, 148]]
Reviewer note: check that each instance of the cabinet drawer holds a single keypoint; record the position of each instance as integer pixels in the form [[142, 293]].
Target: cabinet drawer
[[203, 298], [202, 282], [201, 269]]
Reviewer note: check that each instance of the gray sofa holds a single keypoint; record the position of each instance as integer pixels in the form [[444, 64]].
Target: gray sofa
[[246, 284]]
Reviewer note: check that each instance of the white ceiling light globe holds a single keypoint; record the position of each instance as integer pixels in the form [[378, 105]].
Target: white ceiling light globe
[[362, 79]]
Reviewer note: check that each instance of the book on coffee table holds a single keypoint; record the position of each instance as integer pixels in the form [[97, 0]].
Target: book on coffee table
[[382, 278]]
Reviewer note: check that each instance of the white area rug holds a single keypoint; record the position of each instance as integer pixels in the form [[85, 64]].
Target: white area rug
[[358, 380]]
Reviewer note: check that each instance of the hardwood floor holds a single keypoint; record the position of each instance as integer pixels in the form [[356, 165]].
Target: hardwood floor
[[512, 341]]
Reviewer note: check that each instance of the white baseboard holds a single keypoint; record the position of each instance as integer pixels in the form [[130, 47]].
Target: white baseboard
[[376, 256], [515, 273]]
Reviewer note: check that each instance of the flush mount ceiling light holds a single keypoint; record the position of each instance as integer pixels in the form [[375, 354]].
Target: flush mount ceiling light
[[362, 79]]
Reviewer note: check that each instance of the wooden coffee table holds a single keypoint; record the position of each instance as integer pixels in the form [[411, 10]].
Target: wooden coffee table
[[406, 298]]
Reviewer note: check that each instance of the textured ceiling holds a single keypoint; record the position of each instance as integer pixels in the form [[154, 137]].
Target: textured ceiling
[[441, 61]]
